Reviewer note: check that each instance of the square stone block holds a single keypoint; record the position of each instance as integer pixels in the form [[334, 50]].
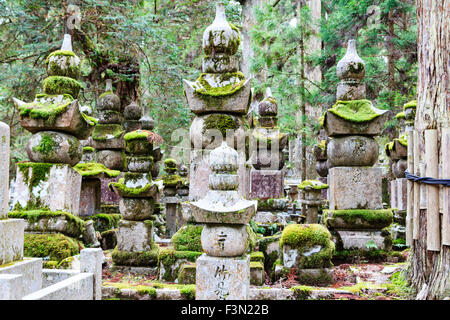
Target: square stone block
[[11, 240], [90, 197], [355, 188], [222, 278], [266, 184], [31, 271], [134, 236], [358, 239], [59, 190], [107, 196]]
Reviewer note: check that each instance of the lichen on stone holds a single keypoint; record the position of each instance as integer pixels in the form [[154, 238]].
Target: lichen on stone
[[400, 115], [410, 104], [55, 85], [219, 85], [46, 107], [188, 238], [103, 132], [221, 122]]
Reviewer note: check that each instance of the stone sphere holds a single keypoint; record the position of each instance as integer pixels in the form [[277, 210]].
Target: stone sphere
[[352, 151], [351, 66], [322, 168], [223, 159], [224, 240], [112, 159], [108, 101], [54, 147], [220, 36], [399, 167], [133, 111], [110, 117], [268, 107]]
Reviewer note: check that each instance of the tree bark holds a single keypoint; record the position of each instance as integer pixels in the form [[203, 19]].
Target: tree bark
[[429, 271]]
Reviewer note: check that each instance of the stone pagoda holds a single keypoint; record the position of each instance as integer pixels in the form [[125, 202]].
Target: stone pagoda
[[57, 125], [355, 193], [220, 100], [139, 194], [223, 271]]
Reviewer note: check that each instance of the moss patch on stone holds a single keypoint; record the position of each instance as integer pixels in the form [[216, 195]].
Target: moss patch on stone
[[355, 110], [356, 217], [46, 107], [103, 132], [221, 122], [89, 169], [312, 184], [172, 180], [55, 85], [137, 135], [257, 256], [188, 238], [403, 140], [410, 104], [400, 115], [136, 259], [130, 192], [203, 87], [56, 246], [104, 221], [168, 258]]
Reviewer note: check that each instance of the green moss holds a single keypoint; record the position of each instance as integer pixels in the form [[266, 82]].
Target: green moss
[[188, 238], [383, 217], [137, 135], [60, 53], [257, 256], [389, 147], [39, 172], [262, 139], [171, 163], [92, 169], [302, 292], [88, 149], [46, 107], [56, 246], [410, 104], [312, 184], [221, 122], [130, 192], [136, 259], [168, 257], [303, 237], [188, 292], [403, 140], [69, 70], [256, 265], [47, 145], [251, 239], [61, 85], [50, 264], [104, 94], [203, 87], [89, 120], [65, 263], [104, 221], [355, 110], [74, 225], [400, 115], [103, 132], [172, 180]]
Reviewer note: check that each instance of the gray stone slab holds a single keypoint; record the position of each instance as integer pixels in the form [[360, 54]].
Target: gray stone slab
[[31, 271], [222, 278], [134, 236], [11, 240], [4, 169], [401, 193], [91, 260], [359, 239], [266, 184], [355, 188], [11, 287]]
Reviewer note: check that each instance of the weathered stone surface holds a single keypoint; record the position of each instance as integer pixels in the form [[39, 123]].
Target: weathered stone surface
[[268, 159], [220, 63], [224, 240], [4, 172], [31, 271], [257, 275], [140, 164], [355, 188], [91, 260], [359, 239], [220, 181], [110, 117], [11, 287], [350, 151], [351, 66], [136, 209], [399, 167], [107, 196], [237, 103], [358, 219], [222, 278], [401, 194], [58, 190], [112, 159], [90, 197], [11, 240], [111, 143], [393, 194], [69, 121], [266, 184], [264, 217], [350, 90], [134, 236], [54, 147], [322, 168], [336, 126], [132, 125], [133, 111]]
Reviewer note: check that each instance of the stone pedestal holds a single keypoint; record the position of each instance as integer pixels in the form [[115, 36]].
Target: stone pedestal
[[90, 199], [266, 184], [226, 278], [59, 187], [11, 240], [355, 187], [360, 238]]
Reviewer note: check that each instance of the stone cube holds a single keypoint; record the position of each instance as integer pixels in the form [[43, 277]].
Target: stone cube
[[355, 188], [222, 278], [134, 236], [266, 184]]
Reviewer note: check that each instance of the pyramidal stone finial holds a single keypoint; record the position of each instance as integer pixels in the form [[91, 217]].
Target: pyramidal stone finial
[[351, 66], [67, 43]]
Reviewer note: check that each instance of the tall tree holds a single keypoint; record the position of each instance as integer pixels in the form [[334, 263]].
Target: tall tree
[[429, 271]]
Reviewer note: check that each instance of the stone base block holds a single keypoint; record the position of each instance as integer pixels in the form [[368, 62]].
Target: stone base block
[[222, 278], [11, 240], [90, 197], [257, 275], [266, 184], [31, 271], [136, 259], [186, 274], [355, 188], [364, 240], [107, 196], [55, 186], [134, 236]]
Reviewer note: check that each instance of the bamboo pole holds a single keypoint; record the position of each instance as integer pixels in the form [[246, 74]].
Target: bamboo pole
[[432, 170], [416, 197], [445, 147], [410, 191]]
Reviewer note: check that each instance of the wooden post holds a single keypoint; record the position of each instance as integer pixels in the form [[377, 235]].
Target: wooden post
[[410, 191], [432, 170], [445, 147], [416, 197]]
